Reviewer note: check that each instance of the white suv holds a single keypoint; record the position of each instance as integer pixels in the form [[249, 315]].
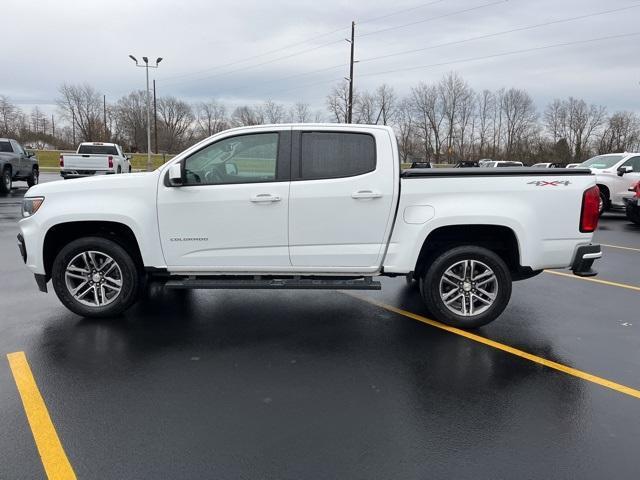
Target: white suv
[[615, 174]]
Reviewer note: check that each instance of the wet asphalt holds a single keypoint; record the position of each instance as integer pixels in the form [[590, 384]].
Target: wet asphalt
[[308, 384]]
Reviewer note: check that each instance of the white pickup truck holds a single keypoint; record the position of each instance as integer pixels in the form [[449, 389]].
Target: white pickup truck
[[94, 158], [314, 206]]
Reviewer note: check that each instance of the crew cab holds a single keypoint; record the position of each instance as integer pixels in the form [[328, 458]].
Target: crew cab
[[16, 164], [94, 158], [615, 174], [313, 206]]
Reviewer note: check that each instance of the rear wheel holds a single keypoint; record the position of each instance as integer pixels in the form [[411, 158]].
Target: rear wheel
[[34, 177], [5, 181], [95, 277], [466, 286], [604, 202]]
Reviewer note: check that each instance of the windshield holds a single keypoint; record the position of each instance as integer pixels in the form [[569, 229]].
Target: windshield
[[98, 150], [602, 161]]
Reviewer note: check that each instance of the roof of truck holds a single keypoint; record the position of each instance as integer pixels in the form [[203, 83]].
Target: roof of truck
[[99, 143]]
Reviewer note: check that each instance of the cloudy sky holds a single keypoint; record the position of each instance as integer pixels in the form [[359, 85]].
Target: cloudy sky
[[248, 51]]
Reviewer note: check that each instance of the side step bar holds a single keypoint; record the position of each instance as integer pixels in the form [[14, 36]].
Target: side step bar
[[295, 283]]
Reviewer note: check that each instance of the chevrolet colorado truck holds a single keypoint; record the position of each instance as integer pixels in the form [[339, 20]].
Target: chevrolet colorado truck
[[313, 206], [16, 164], [94, 158]]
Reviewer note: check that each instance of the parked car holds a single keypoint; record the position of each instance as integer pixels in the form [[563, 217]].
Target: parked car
[[94, 158], [546, 165], [633, 205], [502, 163], [317, 206], [16, 164], [420, 164], [615, 174], [467, 164], [572, 165], [483, 161]]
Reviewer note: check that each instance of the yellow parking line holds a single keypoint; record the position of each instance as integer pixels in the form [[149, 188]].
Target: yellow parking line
[[596, 280], [54, 460], [621, 247], [506, 348]]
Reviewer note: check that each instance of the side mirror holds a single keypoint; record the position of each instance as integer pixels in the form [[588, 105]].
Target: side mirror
[[231, 168], [624, 169], [31, 154], [175, 175]]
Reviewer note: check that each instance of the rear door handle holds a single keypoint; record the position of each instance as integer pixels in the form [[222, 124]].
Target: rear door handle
[[265, 198], [366, 194]]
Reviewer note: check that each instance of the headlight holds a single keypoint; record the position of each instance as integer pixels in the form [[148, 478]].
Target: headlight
[[31, 205]]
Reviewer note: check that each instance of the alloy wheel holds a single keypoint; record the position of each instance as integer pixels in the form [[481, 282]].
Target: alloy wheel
[[468, 287]]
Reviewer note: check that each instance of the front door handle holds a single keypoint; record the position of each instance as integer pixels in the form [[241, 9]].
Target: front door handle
[[366, 194], [265, 198]]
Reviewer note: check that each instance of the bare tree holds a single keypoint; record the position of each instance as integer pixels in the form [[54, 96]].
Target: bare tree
[[429, 115], [246, 115], [406, 130], [272, 112], [386, 101], [9, 116], [555, 119], [364, 110], [452, 88], [338, 102], [211, 118], [485, 107], [175, 121], [300, 112], [582, 121], [131, 120], [520, 119], [622, 133], [82, 104]]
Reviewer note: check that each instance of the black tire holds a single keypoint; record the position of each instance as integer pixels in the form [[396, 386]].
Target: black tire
[[410, 280], [119, 169], [430, 286], [633, 213], [604, 202], [130, 277], [34, 177], [129, 168], [6, 181]]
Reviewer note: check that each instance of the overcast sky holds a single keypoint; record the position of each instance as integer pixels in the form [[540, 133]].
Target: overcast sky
[[233, 50]]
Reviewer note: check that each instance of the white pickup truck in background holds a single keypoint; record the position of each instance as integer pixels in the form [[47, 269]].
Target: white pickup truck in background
[[313, 206], [94, 158]]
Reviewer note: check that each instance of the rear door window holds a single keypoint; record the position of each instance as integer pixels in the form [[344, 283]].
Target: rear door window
[[336, 154], [6, 147]]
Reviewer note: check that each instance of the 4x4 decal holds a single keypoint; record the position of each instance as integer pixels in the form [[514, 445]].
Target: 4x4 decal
[[553, 183]]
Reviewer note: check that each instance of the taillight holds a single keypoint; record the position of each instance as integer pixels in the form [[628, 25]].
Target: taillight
[[110, 158], [638, 190], [61, 161], [590, 210]]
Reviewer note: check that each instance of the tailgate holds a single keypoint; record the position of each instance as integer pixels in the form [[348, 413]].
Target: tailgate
[[86, 162]]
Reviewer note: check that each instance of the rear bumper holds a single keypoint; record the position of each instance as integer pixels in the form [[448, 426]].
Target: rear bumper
[[84, 173], [584, 258]]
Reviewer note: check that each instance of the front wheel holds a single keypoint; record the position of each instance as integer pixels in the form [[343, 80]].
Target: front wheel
[[466, 286], [95, 277], [5, 181], [33, 178]]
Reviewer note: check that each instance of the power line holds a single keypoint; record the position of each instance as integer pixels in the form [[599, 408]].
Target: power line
[[455, 42], [430, 19], [496, 34], [288, 46], [301, 52], [502, 54]]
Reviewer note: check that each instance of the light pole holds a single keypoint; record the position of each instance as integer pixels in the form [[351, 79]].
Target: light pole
[[146, 66]]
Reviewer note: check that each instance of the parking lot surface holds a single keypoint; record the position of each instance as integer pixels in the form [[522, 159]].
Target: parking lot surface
[[316, 384]]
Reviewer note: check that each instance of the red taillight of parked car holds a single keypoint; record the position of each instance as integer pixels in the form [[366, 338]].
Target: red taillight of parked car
[[637, 189], [110, 158], [61, 161], [590, 210]]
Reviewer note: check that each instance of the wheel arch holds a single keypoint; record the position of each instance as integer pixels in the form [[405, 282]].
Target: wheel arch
[[61, 234], [500, 239]]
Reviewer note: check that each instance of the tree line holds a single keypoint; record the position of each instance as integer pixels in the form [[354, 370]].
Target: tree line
[[442, 122]]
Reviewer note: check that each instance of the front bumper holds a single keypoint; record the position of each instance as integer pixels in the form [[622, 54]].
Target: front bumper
[[584, 258], [22, 247], [41, 280]]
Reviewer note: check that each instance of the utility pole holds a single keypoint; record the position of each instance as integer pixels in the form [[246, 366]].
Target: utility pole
[[351, 62], [53, 126], [73, 126], [104, 111], [146, 66], [155, 119]]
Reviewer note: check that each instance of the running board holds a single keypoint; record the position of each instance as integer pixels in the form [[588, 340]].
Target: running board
[[274, 283]]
